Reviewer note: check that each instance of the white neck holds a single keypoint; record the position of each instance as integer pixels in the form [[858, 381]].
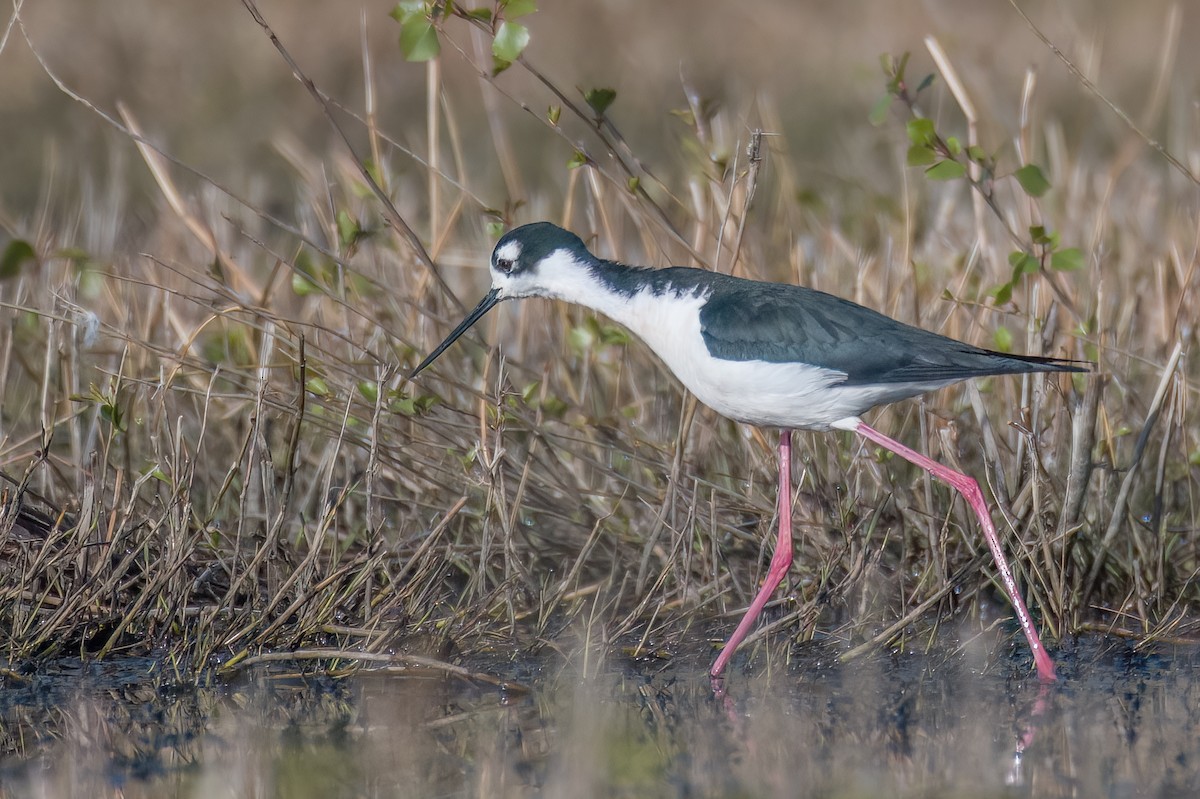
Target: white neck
[[561, 277]]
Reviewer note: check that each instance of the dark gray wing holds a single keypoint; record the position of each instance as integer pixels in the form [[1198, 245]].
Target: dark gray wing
[[779, 323]]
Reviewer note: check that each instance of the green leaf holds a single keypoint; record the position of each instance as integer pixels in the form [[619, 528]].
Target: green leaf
[[1002, 339], [16, 254], [349, 231], [518, 8], [369, 391], [879, 111], [376, 175], [954, 145], [318, 386], [1032, 180], [920, 131], [78, 256], [1022, 263], [112, 414], [158, 474], [614, 334], [581, 338], [412, 406], [925, 83], [577, 160], [302, 285], [976, 154], [553, 113], [600, 99], [554, 407], [921, 155], [406, 10], [634, 183], [1002, 293], [419, 40], [946, 170], [494, 229], [1038, 234], [1068, 260], [511, 40], [483, 14]]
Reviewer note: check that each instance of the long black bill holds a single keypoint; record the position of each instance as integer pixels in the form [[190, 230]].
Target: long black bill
[[486, 304]]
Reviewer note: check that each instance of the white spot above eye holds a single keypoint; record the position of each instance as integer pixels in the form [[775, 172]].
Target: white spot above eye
[[509, 251]]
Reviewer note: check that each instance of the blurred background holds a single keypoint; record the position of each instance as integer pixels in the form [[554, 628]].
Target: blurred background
[[208, 86]]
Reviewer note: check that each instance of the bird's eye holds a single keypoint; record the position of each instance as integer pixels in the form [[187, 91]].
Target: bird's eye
[[505, 265]]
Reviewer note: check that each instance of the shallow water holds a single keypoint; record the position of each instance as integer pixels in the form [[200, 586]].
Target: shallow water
[[1121, 723]]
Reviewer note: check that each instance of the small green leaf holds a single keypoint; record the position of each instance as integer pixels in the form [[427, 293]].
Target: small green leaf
[[302, 285], [879, 111], [1002, 339], [614, 334], [577, 160], [1022, 263], [376, 175], [954, 146], [920, 131], [518, 8], [976, 154], [419, 40], [112, 414], [406, 10], [1068, 260], [349, 230], [926, 83], [1002, 293], [1038, 234], [554, 407], [369, 391], [553, 113], [78, 256], [921, 155], [483, 13], [412, 406], [16, 254], [1032, 180], [494, 229], [580, 339], [318, 386], [634, 183], [600, 99], [946, 170], [511, 40]]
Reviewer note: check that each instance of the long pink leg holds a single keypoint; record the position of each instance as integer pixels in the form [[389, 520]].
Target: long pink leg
[[969, 488], [781, 561]]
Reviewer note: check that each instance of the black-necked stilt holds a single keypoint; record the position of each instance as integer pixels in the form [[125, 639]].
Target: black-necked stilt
[[768, 354]]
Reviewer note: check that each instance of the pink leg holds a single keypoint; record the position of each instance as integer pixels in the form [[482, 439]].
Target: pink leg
[[969, 488], [781, 561]]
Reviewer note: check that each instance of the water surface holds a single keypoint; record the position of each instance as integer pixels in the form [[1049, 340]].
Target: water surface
[[1122, 722]]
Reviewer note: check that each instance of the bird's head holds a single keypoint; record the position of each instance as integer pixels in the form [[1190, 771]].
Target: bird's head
[[535, 260]]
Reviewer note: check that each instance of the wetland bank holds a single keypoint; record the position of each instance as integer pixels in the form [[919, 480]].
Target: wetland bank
[[240, 552]]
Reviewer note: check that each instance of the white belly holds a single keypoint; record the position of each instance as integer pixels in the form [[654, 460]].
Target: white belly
[[788, 395]]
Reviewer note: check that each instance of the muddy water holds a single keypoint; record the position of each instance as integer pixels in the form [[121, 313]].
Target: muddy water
[[1122, 723]]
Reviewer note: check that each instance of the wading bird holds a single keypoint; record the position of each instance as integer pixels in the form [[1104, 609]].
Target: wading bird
[[768, 354]]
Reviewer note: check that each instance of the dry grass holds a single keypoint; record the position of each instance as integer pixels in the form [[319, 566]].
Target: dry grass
[[212, 451]]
